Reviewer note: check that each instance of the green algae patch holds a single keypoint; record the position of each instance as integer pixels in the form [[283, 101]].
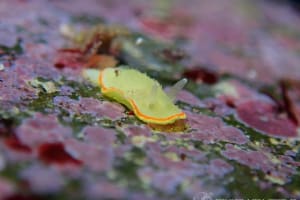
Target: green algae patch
[[44, 102], [147, 54], [16, 49]]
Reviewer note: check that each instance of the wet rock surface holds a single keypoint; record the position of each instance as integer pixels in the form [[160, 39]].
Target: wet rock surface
[[60, 138]]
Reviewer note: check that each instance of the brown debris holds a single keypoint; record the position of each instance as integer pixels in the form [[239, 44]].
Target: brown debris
[[201, 74], [101, 61], [288, 103], [177, 126]]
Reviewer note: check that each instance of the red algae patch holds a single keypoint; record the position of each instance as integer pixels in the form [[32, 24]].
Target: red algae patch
[[69, 58], [264, 117], [201, 75], [14, 144], [55, 153]]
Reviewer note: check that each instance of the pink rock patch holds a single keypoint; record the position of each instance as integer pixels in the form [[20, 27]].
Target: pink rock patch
[[99, 136], [112, 110], [132, 130], [41, 129], [156, 156], [264, 117], [166, 181], [219, 167], [43, 180], [90, 106], [189, 98], [260, 160], [239, 93], [66, 90], [185, 153], [253, 159], [158, 28], [211, 130], [218, 106], [100, 190], [6, 188], [96, 158]]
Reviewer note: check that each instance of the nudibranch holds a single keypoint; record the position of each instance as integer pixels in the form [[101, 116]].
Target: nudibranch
[[140, 93]]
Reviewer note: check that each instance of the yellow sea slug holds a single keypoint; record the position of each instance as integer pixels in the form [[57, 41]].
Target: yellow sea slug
[[140, 93]]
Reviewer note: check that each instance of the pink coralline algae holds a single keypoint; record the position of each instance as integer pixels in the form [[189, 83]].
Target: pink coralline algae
[[210, 130], [185, 153], [42, 129], [239, 93], [166, 181], [42, 180], [265, 117], [261, 161], [7, 188], [66, 90], [159, 157], [189, 98], [253, 159], [15, 87], [219, 167], [102, 189], [94, 157], [99, 136], [242, 62], [218, 106], [90, 106], [132, 131]]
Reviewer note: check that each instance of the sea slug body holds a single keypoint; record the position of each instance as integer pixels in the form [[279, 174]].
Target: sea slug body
[[141, 94]]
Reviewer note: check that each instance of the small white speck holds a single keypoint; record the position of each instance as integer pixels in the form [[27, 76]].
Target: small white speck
[[139, 41], [2, 162], [252, 74], [1, 66], [264, 118]]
